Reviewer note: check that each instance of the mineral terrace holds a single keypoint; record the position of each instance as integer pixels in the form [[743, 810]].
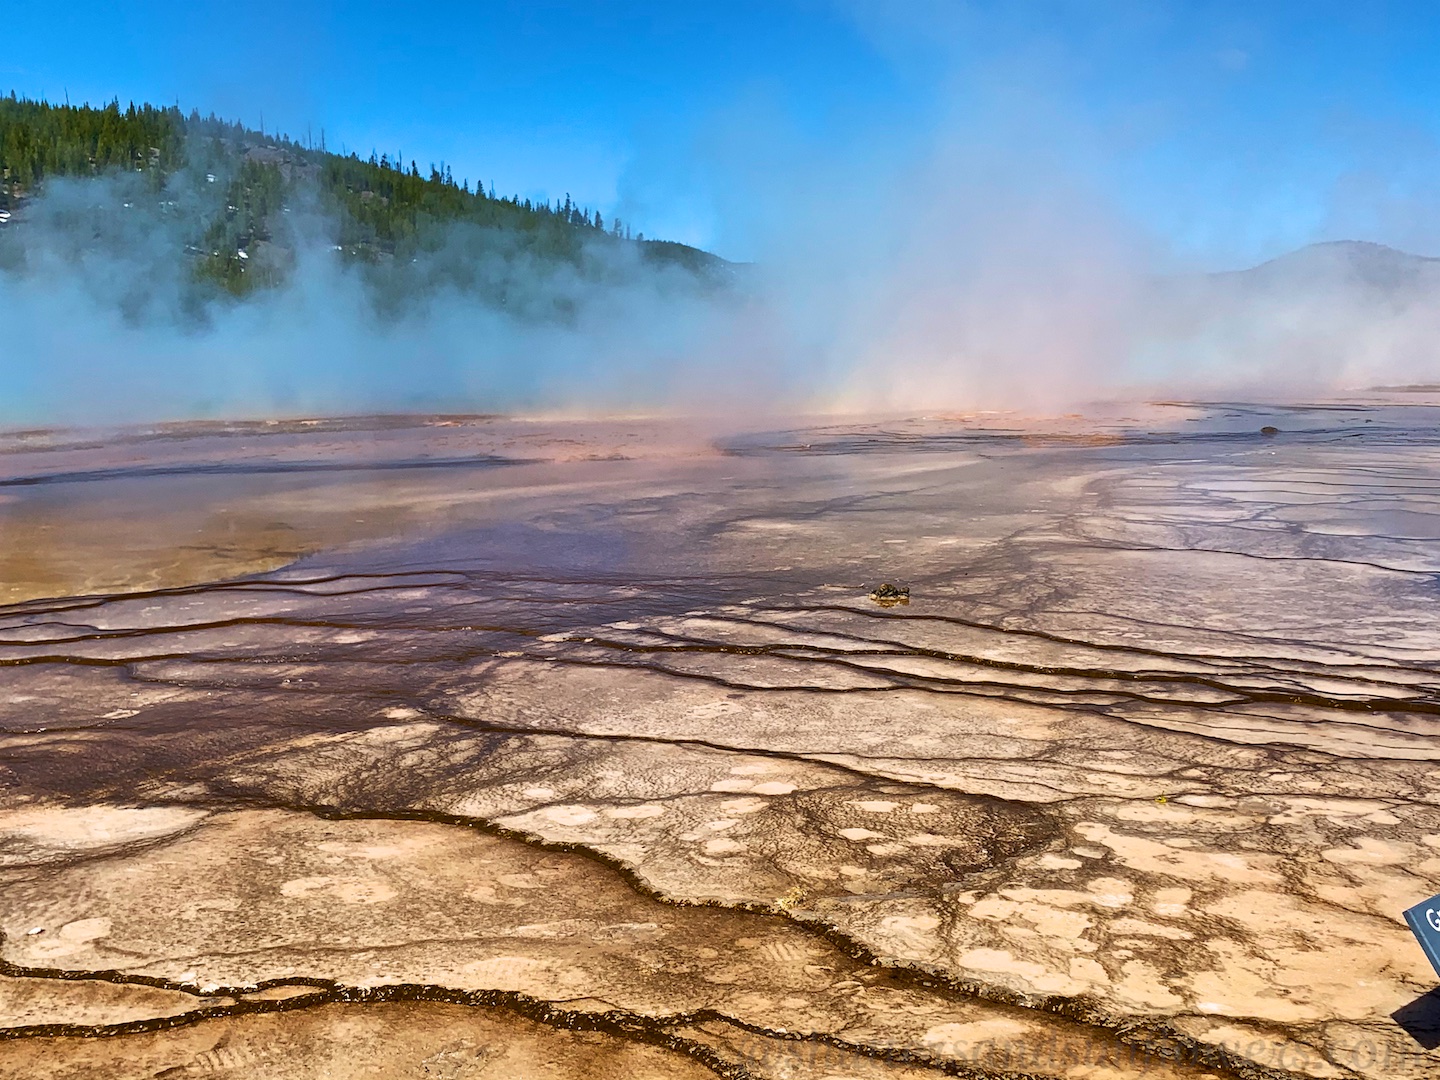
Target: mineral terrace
[[467, 747]]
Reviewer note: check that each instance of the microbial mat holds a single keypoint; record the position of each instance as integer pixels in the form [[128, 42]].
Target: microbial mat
[[483, 747]]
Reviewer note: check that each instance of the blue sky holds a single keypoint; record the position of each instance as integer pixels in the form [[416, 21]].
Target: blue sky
[[1226, 132]]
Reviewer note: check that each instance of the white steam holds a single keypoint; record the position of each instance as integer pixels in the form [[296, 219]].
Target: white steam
[[101, 322], [988, 264], [993, 267]]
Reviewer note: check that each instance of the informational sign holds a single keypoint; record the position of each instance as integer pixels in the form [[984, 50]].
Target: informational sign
[[1424, 920]]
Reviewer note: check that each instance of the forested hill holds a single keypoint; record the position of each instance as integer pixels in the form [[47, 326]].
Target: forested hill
[[233, 196]]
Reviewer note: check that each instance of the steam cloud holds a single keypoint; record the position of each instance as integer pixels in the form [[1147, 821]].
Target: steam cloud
[[987, 267], [102, 324], [994, 268]]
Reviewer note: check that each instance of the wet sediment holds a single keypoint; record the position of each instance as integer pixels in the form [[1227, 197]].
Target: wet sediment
[[1137, 784]]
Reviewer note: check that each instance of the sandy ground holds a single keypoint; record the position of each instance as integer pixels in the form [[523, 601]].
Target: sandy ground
[[474, 747]]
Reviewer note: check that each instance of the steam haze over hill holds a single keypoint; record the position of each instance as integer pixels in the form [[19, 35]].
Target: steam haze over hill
[[103, 278], [228, 271]]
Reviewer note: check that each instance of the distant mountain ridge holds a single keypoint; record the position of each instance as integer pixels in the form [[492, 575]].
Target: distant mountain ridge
[[1340, 263], [1346, 312], [1355, 273]]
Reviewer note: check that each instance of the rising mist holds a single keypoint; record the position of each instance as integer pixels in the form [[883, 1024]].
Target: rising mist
[[981, 267]]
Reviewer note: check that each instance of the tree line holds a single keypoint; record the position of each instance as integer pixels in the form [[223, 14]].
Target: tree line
[[382, 209], [39, 140]]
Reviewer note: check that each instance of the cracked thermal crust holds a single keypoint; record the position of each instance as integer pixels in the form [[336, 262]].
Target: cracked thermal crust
[[1136, 785]]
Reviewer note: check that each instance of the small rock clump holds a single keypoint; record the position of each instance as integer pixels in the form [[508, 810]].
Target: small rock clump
[[888, 595]]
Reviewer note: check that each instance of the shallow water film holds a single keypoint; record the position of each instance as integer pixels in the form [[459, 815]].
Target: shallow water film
[[475, 747]]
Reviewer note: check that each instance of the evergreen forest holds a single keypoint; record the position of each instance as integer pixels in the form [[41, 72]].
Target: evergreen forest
[[240, 203]]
